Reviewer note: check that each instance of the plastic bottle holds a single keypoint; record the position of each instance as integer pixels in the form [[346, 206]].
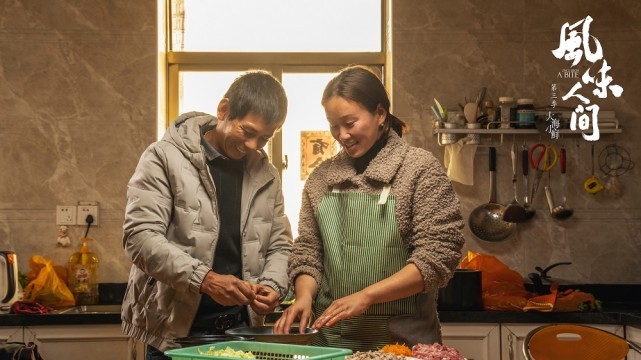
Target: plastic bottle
[[525, 113], [83, 275]]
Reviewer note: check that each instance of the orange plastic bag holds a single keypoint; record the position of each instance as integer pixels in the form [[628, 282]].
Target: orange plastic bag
[[61, 271], [563, 301], [543, 303], [576, 300], [503, 288], [47, 288]]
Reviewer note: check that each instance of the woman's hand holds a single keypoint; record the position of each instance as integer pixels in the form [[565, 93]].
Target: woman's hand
[[300, 310], [266, 299], [344, 308]]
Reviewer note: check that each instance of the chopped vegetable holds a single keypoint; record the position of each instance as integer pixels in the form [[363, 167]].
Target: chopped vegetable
[[599, 305], [436, 351], [397, 349], [373, 355], [228, 352]]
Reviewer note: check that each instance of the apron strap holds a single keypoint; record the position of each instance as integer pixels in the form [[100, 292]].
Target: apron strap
[[382, 200], [384, 194]]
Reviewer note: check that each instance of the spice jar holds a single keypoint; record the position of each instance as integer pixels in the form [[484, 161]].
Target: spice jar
[[508, 111], [525, 113], [489, 111]]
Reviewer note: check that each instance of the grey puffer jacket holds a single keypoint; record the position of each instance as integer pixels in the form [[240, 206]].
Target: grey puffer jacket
[[171, 229], [427, 209]]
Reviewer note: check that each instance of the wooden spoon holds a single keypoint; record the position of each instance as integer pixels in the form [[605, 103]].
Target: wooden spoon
[[470, 110]]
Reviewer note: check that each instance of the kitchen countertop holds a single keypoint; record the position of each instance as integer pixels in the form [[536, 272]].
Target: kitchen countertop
[[615, 311], [607, 317], [59, 319], [624, 317], [621, 305], [109, 294]]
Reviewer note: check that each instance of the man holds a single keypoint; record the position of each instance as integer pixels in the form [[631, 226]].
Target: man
[[204, 225]]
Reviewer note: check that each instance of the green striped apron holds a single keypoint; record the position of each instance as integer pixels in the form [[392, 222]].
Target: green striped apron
[[362, 246]]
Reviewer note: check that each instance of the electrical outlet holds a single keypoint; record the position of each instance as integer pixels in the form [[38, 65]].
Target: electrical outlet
[[83, 211], [66, 215]]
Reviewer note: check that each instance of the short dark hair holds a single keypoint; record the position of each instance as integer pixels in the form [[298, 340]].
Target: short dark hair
[[360, 84], [257, 92]]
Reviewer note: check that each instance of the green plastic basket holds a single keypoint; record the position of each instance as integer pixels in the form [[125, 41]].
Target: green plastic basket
[[262, 351]]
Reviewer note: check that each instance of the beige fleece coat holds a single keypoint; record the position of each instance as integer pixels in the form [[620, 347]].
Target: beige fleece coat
[[427, 209]]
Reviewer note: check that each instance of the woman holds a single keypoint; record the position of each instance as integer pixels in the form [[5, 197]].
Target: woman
[[380, 229]]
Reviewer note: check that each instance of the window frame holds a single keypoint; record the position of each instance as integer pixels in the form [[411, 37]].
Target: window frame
[[274, 62]]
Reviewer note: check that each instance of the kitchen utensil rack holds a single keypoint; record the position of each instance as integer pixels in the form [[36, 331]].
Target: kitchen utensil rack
[[613, 128]]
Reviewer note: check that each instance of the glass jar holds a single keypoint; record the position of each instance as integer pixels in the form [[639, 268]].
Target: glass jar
[[490, 113], [525, 113], [508, 112]]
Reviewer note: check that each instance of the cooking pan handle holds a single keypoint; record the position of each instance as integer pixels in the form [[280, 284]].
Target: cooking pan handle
[[492, 158], [524, 161]]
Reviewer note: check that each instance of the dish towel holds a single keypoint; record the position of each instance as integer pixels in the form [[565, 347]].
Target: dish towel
[[459, 161]]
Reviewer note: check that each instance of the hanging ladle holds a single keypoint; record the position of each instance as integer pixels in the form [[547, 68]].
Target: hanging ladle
[[529, 211], [560, 212], [514, 212], [485, 221]]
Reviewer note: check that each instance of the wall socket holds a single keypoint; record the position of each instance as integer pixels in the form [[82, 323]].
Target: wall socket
[[83, 211], [66, 215]]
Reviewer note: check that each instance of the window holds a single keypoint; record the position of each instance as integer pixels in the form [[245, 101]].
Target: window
[[277, 25], [303, 43]]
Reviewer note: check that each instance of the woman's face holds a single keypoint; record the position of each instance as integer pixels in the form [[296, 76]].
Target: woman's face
[[355, 128]]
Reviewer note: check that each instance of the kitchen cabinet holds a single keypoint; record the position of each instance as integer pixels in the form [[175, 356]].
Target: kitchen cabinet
[[633, 334], [513, 336], [11, 333], [474, 341], [80, 342]]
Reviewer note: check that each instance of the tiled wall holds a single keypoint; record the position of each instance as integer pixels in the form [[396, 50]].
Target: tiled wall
[[449, 50], [78, 100], [78, 107]]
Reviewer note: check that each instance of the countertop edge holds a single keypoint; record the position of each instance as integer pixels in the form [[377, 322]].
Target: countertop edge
[[611, 317]]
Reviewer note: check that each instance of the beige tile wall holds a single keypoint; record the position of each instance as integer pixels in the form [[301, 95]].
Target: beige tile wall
[[449, 50], [78, 100]]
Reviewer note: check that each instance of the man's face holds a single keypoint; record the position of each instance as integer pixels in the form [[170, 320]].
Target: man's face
[[237, 137]]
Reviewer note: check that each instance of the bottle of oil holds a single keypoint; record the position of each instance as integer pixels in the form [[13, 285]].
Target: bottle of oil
[[83, 275]]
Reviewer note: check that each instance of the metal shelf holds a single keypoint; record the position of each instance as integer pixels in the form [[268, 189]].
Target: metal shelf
[[512, 131], [517, 131]]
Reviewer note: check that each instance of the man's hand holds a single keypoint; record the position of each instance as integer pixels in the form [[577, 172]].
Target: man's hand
[[227, 290], [266, 299]]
